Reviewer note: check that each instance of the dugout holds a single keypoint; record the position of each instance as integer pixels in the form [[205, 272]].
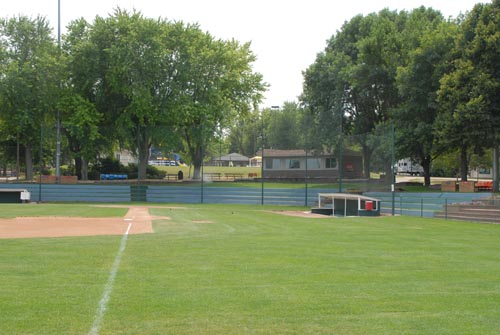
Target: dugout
[[14, 195], [344, 204]]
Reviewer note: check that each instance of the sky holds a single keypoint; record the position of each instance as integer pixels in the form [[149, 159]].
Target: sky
[[285, 36]]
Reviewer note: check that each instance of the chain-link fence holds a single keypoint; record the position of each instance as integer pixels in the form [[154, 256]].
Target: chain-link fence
[[208, 166]]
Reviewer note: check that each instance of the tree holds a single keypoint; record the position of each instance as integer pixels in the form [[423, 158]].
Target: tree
[[351, 87], [283, 127], [418, 84], [81, 127], [244, 135], [216, 85], [29, 82], [469, 117], [135, 73], [149, 76]]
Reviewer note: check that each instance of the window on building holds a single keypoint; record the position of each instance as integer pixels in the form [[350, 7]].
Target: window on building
[[331, 163], [313, 163], [272, 164], [293, 163]]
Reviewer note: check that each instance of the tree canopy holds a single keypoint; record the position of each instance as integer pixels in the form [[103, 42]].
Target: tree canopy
[[122, 81], [436, 80], [132, 82]]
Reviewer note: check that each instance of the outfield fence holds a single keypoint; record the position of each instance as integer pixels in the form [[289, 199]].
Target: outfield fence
[[405, 203]]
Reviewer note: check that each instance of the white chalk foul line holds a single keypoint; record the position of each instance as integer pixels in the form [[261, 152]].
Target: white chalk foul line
[[101, 309]]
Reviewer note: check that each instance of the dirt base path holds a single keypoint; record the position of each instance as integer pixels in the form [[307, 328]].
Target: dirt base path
[[26, 227]]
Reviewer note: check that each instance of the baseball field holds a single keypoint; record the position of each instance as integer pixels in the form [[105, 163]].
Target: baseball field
[[227, 269]]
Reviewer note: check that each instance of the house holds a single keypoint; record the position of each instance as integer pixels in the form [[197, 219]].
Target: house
[[481, 173], [293, 164], [126, 157], [256, 161], [232, 159]]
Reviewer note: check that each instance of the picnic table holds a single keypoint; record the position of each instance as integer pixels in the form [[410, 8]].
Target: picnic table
[[233, 175], [212, 175]]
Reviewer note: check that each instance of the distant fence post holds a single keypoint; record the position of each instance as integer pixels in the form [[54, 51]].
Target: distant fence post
[[421, 207], [446, 209]]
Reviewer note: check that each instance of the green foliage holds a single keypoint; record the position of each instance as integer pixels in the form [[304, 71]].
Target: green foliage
[[435, 80], [29, 81], [155, 80], [469, 115], [418, 84], [152, 172], [352, 86], [112, 165], [139, 82]]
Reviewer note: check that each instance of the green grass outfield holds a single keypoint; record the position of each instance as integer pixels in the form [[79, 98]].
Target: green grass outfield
[[216, 269]]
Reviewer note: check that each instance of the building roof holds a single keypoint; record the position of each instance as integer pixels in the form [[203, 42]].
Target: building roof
[[301, 153]]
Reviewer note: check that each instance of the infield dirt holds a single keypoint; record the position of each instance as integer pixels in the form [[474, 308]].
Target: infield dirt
[[59, 226]]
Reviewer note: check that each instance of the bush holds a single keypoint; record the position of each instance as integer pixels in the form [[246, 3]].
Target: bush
[[105, 165], [152, 172], [112, 165]]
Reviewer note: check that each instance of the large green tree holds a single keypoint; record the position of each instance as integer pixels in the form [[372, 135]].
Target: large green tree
[[81, 121], [29, 84], [351, 87], [469, 117], [152, 78], [134, 75], [217, 85], [418, 84]]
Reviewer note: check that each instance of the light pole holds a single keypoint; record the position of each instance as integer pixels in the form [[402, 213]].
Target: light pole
[[262, 159], [58, 116], [341, 139], [393, 174]]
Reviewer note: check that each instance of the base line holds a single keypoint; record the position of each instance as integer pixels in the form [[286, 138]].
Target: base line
[[101, 309]]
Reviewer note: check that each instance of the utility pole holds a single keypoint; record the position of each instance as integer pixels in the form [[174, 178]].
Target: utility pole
[[58, 116], [393, 174]]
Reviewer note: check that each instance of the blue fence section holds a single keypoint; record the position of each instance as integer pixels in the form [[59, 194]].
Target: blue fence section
[[422, 204], [75, 192], [233, 195], [405, 203]]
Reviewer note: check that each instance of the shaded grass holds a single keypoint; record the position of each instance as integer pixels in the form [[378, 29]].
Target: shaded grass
[[218, 269]]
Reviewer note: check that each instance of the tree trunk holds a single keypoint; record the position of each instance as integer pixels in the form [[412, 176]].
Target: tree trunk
[[495, 167], [29, 162], [464, 163], [367, 154], [78, 167], [426, 165], [84, 170], [143, 148], [197, 162], [143, 165]]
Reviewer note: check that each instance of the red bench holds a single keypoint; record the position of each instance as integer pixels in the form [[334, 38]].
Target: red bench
[[484, 185]]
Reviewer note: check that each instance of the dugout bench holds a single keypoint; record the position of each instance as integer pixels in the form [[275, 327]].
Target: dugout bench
[[14, 195]]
